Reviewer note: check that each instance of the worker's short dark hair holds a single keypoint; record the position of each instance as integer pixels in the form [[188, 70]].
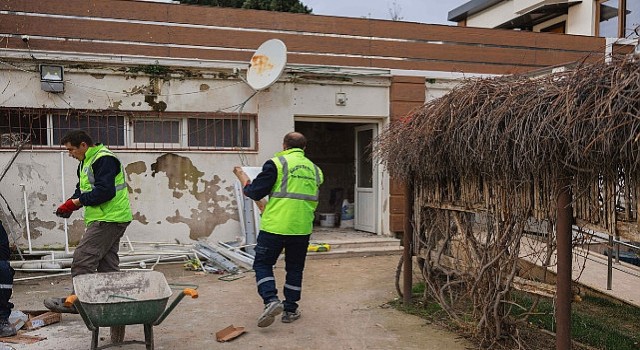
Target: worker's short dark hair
[[76, 137], [295, 140]]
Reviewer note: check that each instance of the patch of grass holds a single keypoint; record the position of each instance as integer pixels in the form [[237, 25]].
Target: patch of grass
[[417, 307], [596, 322]]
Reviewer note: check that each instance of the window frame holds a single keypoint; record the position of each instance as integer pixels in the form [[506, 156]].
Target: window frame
[[622, 17], [252, 132], [128, 133], [132, 144], [53, 114]]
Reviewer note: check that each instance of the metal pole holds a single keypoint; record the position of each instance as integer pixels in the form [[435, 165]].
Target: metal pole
[[66, 224], [610, 263], [26, 215], [407, 239], [563, 296]]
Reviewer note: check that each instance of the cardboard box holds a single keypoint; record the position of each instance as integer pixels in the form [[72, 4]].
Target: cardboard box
[[40, 318]]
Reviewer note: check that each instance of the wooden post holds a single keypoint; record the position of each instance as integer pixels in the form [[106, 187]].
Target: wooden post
[[407, 242], [563, 296]]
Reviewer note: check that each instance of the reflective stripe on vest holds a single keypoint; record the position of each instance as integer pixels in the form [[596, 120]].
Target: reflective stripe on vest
[[285, 180], [92, 178]]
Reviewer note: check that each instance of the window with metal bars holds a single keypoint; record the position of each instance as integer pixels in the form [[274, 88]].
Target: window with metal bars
[[199, 131], [155, 134], [219, 133], [22, 126], [105, 129]]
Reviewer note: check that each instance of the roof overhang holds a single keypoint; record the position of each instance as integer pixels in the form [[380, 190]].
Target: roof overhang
[[529, 16], [539, 13], [470, 8]]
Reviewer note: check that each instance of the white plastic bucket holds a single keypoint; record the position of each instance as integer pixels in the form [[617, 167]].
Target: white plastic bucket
[[327, 219]]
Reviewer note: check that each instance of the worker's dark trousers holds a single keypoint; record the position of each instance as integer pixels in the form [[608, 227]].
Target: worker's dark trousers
[[98, 248], [267, 250], [6, 287], [6, 275]]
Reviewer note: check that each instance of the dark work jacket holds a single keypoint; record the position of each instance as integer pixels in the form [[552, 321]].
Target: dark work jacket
[[105, 170], [262, 185]]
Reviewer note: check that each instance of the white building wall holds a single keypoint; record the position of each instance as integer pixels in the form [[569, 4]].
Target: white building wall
[[493, 16], [183, 195], [582, 18]]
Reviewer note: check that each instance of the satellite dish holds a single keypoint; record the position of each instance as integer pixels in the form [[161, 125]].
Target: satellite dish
[[267, 64]]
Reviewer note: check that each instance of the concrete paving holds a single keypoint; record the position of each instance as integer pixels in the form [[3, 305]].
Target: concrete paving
[[346, 243], [344, 306]]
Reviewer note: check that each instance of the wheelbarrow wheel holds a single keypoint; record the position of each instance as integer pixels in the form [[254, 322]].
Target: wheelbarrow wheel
[[117, 334]]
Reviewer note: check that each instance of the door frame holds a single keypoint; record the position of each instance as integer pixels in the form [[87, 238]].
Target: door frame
[[374, 181], [382, 183]]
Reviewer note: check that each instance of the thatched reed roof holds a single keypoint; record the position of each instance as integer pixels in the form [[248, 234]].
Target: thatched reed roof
[[585, 120]]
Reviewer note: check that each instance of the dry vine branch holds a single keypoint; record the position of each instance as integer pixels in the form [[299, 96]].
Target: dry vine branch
[[485, 160]]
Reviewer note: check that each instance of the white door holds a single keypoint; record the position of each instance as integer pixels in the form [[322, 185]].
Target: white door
[[366, 194]]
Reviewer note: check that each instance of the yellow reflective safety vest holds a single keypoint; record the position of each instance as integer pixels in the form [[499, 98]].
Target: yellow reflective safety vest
[[294, 197], [117, 209]]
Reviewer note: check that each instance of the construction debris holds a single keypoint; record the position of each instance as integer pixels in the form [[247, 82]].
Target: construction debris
[[229, 333], [213, 255]]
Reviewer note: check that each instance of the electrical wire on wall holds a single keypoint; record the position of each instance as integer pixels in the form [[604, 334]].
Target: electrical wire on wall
[[241, 154]]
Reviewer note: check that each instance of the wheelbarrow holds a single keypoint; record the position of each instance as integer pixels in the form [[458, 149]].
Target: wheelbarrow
[[117, 299]]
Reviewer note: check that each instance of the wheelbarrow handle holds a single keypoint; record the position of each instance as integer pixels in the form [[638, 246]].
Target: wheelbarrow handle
[[190, 292], [187, 291], [182, 285], [72, 300], [68, 302]]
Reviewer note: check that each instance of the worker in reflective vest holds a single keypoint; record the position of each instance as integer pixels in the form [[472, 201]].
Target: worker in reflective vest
[[292, 183], [6, 285], [102, 191]]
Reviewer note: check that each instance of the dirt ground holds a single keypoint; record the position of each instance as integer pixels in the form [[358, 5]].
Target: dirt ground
[[343, 307]]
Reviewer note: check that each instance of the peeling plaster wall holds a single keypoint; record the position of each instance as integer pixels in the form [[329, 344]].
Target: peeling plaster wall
[[114, 90], [181, 196], [184, 196]]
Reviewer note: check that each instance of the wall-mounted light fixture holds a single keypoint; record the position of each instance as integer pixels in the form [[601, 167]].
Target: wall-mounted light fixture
[[51, 78]]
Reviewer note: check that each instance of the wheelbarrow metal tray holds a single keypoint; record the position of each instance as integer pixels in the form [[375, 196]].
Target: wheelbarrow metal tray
[[122, 298]]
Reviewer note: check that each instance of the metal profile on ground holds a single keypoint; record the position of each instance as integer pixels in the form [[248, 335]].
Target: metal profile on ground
[[237, 255], [213, 255]]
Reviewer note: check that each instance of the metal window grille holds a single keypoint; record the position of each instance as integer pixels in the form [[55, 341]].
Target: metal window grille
[[200, 131], [106, 129], [25, 126], [219, 133], [155, 134]]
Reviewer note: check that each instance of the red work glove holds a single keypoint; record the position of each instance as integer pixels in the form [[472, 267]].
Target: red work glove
[[65, 210]]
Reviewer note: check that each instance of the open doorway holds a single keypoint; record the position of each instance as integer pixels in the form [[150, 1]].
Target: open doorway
[[343, 154]]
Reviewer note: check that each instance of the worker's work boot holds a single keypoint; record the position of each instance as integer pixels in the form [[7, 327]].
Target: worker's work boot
[[290, 316], [7, 329], [57, 305], [271, 310]]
